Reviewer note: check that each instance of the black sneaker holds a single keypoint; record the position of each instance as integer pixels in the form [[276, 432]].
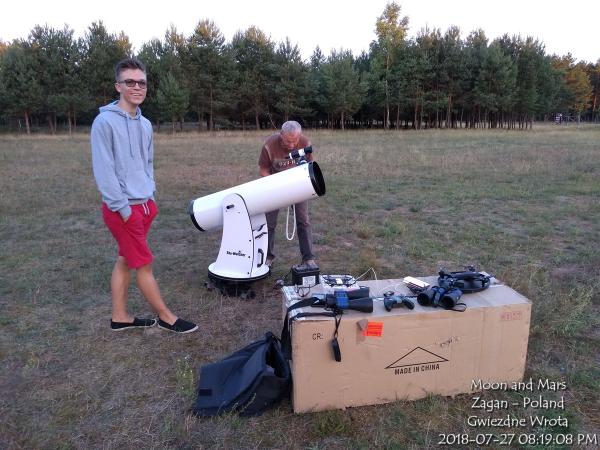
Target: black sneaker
[[137, 323], [180, 326]]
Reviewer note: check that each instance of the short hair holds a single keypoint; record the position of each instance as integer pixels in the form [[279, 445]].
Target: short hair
[[128, 63], [291, 126]]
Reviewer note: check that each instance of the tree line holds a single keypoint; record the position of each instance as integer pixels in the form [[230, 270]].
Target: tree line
[[433, 80]]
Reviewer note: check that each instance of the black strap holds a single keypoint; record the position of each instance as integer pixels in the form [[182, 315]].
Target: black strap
[[286, 338], [312, 314], [337, 352]]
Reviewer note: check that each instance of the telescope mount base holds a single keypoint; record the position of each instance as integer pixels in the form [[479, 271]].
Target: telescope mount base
[[233, 287]]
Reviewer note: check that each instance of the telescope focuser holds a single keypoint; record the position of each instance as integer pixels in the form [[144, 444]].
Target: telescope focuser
[[299, 155]]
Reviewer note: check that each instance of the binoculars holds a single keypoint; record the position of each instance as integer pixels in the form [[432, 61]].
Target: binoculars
[[446, 297], [340, 300], [357, 304], [451, 286]]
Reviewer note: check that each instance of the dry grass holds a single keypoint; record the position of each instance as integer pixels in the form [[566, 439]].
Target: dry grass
[[521, 205]]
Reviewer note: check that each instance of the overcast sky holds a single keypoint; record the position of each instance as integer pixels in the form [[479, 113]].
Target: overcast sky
[[331, 24]]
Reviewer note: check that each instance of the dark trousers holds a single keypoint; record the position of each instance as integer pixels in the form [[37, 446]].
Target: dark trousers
[[303, 228]]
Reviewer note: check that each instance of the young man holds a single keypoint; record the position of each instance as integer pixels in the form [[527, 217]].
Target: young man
[[122, 161], [272, 159]]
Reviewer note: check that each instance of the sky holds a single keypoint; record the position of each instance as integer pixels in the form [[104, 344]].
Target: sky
[[564, 27]]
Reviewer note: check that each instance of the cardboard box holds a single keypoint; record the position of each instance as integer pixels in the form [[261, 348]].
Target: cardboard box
[[407, 354]]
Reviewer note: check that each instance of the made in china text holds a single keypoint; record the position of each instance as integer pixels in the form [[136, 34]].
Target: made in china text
[[416, 369]]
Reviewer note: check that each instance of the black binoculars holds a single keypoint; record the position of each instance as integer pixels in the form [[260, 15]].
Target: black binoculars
[[355, 299], [446, 297], [358, 304]]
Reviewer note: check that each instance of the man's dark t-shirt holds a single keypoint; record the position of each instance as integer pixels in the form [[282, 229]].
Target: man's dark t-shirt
[[273, 154]]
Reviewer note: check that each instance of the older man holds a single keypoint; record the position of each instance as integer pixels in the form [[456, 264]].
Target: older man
[[273, 160]]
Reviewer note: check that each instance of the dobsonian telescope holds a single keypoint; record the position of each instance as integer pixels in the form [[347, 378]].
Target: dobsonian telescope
[[240, 211]]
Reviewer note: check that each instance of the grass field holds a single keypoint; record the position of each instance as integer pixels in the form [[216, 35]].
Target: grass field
[[522, 205]]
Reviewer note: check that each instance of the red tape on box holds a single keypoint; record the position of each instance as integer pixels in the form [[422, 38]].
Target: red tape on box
[[374, 329]]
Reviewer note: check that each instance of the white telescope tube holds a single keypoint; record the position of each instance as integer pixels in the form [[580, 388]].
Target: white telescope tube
[[261, 196]]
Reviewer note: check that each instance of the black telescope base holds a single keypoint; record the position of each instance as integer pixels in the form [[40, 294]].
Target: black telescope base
[[233, 287]]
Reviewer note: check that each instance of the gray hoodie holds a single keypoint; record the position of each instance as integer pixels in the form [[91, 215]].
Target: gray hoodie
[[122, 154]]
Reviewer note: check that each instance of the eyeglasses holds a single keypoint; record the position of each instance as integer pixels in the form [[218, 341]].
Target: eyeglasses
[[131, 83]]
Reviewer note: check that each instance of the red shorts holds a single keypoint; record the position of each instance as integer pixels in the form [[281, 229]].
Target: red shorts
[[131, 235]]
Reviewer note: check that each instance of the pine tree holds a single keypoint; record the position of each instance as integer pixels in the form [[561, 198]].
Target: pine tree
[[173, 99], [151, 54], [254, 57], [391, 31], [343, 88], [476, 46], [209, 71], [22, 92], [495, 85], [59, 57], [291, 86], [101, 52], [452, 71], [316, 87], [372, 108]]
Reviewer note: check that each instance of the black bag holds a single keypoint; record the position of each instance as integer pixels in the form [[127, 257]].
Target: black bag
[[247, 381]]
